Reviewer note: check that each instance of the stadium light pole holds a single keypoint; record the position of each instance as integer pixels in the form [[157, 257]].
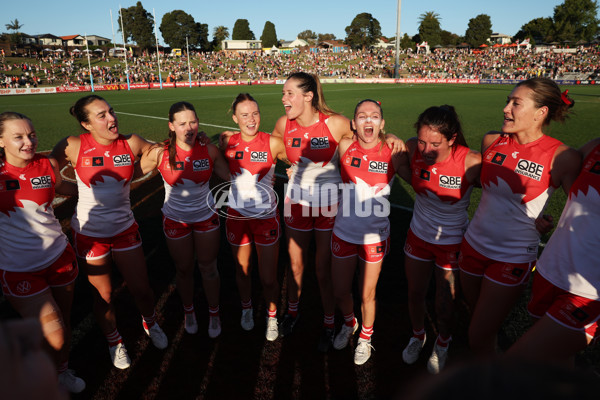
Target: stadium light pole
[[124, 47], [187, 47], [89, 63], [157, 52], [397, 65]]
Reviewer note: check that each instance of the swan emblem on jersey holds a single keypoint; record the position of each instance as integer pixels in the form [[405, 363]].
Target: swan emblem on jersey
[[515, 154]]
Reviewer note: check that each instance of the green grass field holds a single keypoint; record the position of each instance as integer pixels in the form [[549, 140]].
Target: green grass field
[[145, 112]]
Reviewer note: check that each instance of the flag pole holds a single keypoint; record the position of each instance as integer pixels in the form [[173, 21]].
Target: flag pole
[[157, 52], [124, 47], [89, 63]]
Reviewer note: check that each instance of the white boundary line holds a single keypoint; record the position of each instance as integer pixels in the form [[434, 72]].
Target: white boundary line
[[166, 119]]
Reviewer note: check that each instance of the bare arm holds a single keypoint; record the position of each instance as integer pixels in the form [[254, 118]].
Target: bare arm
[[66, 151], [566, 165], [473, 167], [278, 149], [279, 129], [488, 139], [62, 186], [401, 160], [220, 165], [150, 159]]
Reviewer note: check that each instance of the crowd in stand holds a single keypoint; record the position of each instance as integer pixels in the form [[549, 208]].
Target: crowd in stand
[[452, 63]]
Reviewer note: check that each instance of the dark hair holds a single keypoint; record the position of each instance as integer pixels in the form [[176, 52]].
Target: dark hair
[[445, 120], [79, 109], [171, 143], [9, 116], [547, 93], [310, 83], [241, 98]]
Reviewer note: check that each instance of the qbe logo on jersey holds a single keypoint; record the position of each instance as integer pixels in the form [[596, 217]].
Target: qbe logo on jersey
[[530, 169], [259, 156], [319, 143], [41, 182], [122, 160], [379, 167], [450, 182], [200, 165]]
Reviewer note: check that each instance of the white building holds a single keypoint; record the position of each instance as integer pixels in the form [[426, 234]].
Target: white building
[[242, 46]]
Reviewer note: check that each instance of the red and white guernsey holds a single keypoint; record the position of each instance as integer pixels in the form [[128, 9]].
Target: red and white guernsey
[[103, 175], [252, 166], [367, 176], [312, 151], [31, 237], [516, 184], [187, 192], [570, 259], [442, 197]]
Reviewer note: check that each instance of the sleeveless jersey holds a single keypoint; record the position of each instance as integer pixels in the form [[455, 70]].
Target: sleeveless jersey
[[442, 197], [516, 184], [187, 192], [312, 151], [363, 213], [570, 259], [103, 176], [252, 166], [31, 237]]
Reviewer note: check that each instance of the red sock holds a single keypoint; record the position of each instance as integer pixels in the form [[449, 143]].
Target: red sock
[[114, 338], [329, 321], [349, 319], [273, 313], [293, 308], [246, 304], [366, 332], [443, 341], [213, 311], [149, 322], [419, 334]]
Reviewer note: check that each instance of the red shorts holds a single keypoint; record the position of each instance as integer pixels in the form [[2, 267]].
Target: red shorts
[[445, 256], [508, 274], [242, 231], [567, 309], [93, 248], [304, 218], [371, 253], [177, 230], [61, 272]]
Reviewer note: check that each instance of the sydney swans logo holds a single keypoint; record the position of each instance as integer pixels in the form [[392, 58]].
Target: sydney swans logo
[[256, 201]]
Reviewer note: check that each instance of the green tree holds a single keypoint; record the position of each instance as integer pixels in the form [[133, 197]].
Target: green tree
[[479, 30], [429, 28], [138, 25], [538, 30], [406, 42], [177, 25], [363, 32], [309, 36], [576, 20], [220, 33], [322, 37], [15, 26], [241, 30], [269, 36], [449, 38]]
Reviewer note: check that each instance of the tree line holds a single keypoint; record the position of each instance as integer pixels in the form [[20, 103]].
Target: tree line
[[573, 21]]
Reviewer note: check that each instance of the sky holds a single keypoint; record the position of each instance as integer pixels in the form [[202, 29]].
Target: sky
[[70, 17]]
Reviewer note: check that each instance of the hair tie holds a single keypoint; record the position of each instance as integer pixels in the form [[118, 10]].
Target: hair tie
[[565, 98]]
